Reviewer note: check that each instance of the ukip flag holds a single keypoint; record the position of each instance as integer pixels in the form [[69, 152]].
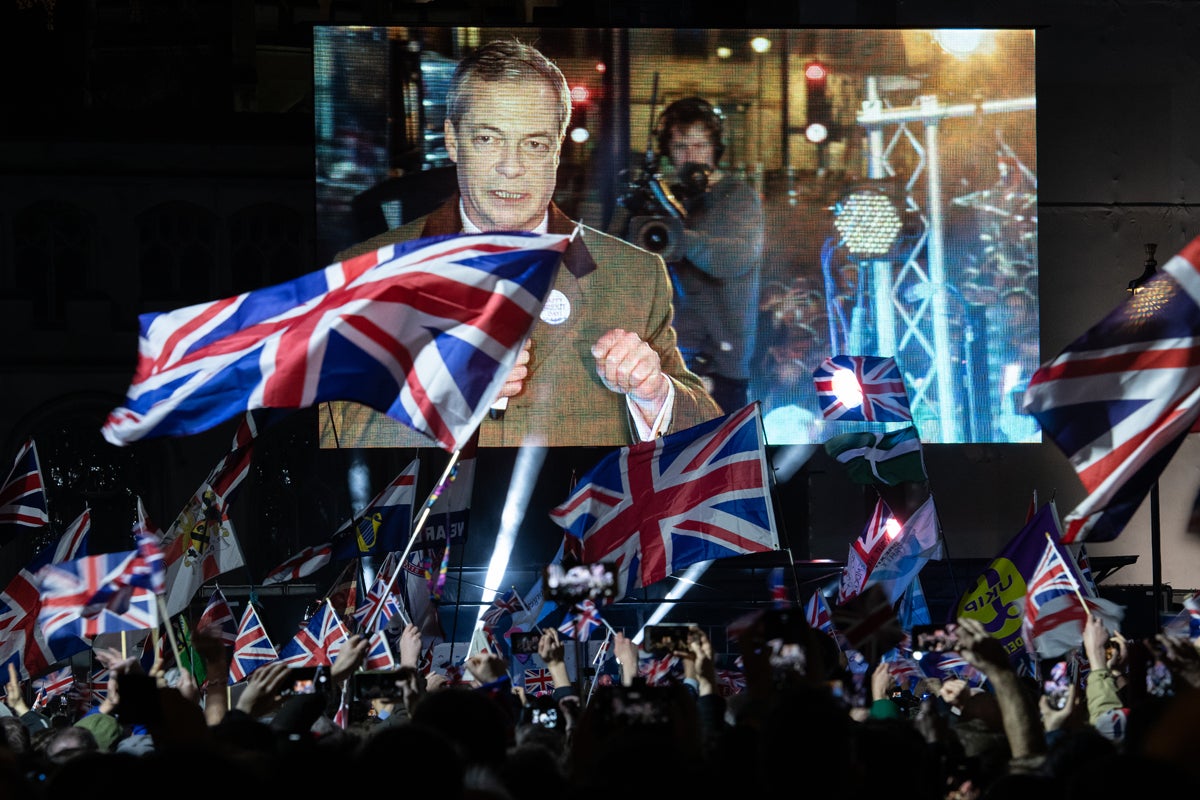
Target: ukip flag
[[998, 596], [424, 331]]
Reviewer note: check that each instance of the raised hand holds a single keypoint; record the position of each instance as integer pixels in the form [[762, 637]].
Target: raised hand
[[629, 366]]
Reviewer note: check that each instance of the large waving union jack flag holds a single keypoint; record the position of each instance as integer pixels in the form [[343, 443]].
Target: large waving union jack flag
[[1119, 400], [657, 507], [252, 648], [424, 331], [23, 495], [861, 388], [98, 594], [318, 642]]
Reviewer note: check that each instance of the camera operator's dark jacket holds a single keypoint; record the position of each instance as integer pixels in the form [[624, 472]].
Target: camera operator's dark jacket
[[717, 280], [610, 284]]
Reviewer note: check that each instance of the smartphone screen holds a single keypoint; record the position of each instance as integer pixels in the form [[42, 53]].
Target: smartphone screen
[[525, 642], [663, 639], [307, 680], [568, 585], [935, 638]]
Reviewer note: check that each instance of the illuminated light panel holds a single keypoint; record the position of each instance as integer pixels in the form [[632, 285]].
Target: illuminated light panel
[[868, 222]]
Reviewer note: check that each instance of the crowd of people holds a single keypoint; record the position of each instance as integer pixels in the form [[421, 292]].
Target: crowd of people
[[796, 721]]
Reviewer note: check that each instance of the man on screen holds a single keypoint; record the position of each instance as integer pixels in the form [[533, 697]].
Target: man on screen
[[602, 366], [718, 260]]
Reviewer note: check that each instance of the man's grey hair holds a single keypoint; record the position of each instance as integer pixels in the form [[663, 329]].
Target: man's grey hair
[[506, 60]]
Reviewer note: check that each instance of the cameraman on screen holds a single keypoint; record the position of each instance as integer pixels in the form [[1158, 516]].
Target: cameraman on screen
[[708, 226]]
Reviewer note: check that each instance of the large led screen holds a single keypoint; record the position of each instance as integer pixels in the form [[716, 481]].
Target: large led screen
[[873, 193]]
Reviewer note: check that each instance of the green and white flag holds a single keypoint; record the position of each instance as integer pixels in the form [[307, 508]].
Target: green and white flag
[[888, 458]]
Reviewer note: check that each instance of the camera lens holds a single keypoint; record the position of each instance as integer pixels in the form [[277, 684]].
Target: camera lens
[[656, 238]]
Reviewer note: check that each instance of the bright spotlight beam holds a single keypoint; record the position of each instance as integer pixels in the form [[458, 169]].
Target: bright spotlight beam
[[683, 583], [520, 488]]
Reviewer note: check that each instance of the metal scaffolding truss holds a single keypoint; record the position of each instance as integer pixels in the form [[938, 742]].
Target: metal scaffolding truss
[[912, 295]]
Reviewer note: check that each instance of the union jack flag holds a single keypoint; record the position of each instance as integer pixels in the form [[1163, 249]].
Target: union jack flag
[[656, 507], [1119, 400], [868, 622], [98, 685], [424, 331], [581, 620], [861, 388], [952, 665], [538, 682], [22, 642], [1051, 578], [905, 671], [1084, 565], [95, 594], [383, 526], [818, 614], [73, 543], [502, 604], [1187, 622], [55, 683], [341, 717], [318, 642], [380, 603], [252, 648], [780, 598], [865, 551], [730, 682], [1055, 608], [149, 570], [201, 544], [23, 496], [379, 653], [657, 671], [218, 618]]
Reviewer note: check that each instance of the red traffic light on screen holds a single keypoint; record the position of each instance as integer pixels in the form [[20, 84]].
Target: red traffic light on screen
[[815, 73], [818, 109]]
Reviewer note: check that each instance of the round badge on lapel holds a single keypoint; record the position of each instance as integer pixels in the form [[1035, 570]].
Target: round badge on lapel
[[557, 308]]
